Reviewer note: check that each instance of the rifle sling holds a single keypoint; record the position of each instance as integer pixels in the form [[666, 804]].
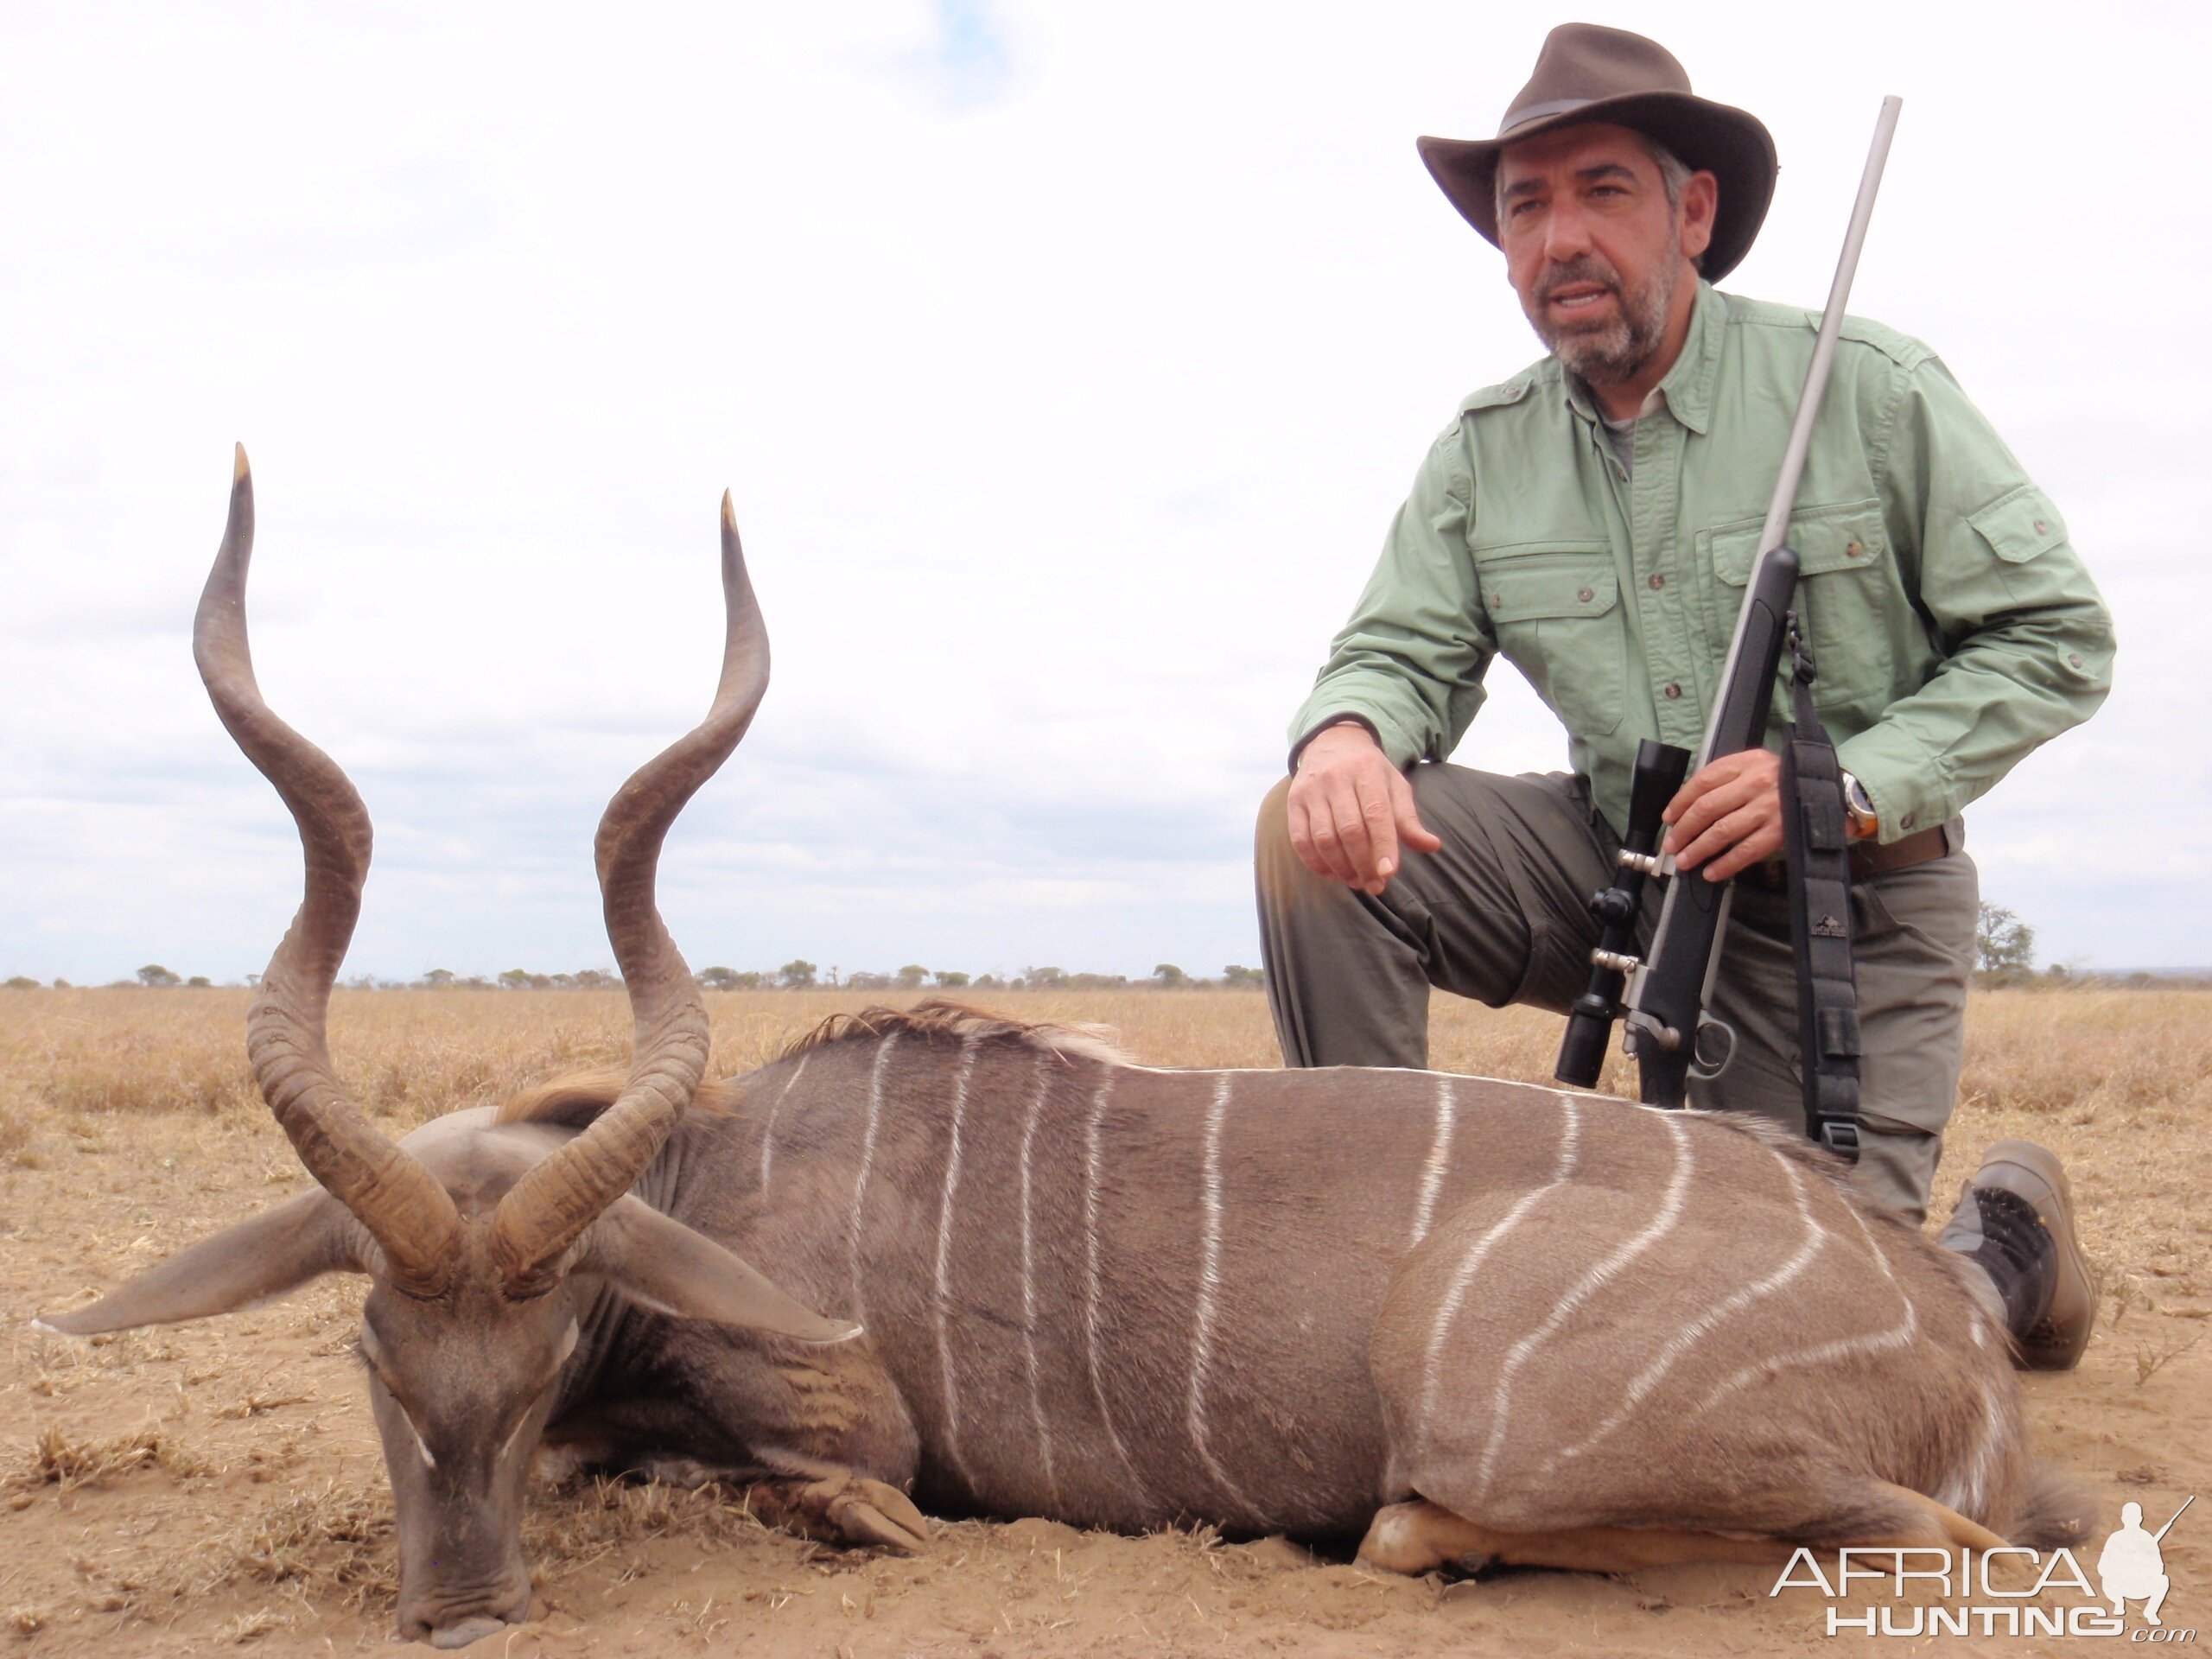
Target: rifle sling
[[1816, 846]]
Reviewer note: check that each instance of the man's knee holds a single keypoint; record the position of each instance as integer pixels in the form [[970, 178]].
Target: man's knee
[[1275, 859], [1273, 831]]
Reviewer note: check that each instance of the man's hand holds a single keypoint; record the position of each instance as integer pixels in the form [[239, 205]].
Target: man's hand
[[1350, 809], [1729, 814]]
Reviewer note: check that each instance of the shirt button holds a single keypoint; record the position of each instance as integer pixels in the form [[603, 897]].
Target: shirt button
[[1673, 691], [1854, 550], [2075, 657], [1658, 581], [1907, 821], [1496, 599], [2042, 528], [1585, 595]]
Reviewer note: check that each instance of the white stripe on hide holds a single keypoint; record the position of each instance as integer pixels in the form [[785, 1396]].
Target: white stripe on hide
[[768, 1135], [944, 1261], [1440, 1158], [1208, 1294], [1471, 1264], [867, 1163], [1897, 1336], [1670, 1209], [1093, 1159], [1689, 1336], [1046, 1064]]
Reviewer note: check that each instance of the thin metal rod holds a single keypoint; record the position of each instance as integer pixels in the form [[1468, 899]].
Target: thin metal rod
[[1816, 378], [1776, 528]]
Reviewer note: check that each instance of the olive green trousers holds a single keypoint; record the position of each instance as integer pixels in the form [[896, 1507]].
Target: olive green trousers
[[1500, 915]]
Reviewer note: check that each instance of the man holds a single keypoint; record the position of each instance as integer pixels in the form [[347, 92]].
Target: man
[[2131, 1567], [1594, 519]]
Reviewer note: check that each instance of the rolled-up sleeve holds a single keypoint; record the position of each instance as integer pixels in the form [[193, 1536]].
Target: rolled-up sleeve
[[1410, 662], [2025, 640]]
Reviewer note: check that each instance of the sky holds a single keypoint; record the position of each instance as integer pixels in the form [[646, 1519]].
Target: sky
[[1067, 363]]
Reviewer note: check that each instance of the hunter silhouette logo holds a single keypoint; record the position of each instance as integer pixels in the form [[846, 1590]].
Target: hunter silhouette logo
[[2130, 1566]]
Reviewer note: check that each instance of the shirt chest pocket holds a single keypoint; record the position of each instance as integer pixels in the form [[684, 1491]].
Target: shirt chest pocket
[[1555, 609], [1849, 598]]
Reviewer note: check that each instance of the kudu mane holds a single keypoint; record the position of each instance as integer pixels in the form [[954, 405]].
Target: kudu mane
[[943, 1022]]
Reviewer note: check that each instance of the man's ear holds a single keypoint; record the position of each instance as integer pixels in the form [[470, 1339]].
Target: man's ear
[[260, 1259], [658, 1260], [1699, 203]]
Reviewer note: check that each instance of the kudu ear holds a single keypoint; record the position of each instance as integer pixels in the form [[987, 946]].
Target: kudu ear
[[659, 1261], [260, 1259]]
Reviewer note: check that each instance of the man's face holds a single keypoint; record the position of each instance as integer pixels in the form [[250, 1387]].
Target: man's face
[[1593, 247]]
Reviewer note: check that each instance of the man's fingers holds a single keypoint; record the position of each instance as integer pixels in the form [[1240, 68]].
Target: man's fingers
[[1301, 828], [1411, 830], [1738, 842], [1328, 843], [1350, 816], [1754, 849], [1380, 822], [1718, 802], [1350, 822], [1313, 835]]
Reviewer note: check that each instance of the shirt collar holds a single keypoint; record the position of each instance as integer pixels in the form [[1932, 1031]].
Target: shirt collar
[[1686, 391]]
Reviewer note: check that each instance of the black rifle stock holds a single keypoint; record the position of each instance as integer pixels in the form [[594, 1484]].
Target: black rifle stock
[[1668, 1020]]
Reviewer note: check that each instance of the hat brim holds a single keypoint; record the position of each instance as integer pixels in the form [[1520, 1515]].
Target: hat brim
[[1731, 144]]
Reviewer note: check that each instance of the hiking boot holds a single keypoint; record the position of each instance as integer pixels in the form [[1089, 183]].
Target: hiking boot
[[2015, 1220]]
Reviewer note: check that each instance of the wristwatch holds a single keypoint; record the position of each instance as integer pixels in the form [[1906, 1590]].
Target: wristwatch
[[1860, 823]]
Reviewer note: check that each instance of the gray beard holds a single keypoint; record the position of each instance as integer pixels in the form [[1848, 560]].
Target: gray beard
[[1609, 353]]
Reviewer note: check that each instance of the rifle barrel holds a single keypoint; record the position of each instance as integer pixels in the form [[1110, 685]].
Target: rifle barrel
[[1817, 377]]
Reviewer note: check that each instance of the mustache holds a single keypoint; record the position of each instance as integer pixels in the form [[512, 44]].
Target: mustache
[[1586, 269]]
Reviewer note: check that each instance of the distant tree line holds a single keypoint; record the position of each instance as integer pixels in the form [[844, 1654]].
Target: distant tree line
[[796, 974], [800, 974], [2005, 957]]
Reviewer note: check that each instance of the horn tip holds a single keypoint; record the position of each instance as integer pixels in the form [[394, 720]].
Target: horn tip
[[729, 511], [239, 469]]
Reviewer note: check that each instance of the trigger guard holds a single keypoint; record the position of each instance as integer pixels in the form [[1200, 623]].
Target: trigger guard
[[1709, 1030]]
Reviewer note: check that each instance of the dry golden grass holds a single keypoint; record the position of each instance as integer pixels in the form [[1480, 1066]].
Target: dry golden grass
[[2110, 1078], [129, 1126], [56, 1458]]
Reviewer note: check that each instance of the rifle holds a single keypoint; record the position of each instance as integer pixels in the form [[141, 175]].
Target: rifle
[[1668, 1030]]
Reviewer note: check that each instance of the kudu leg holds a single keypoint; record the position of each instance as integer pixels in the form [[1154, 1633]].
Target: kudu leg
[[1420, 1536], [843, 1508]]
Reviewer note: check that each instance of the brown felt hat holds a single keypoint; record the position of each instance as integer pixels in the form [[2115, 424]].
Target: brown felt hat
[[1586, 73]]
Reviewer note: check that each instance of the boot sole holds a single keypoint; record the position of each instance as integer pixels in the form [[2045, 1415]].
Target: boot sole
[[2073, 1313]]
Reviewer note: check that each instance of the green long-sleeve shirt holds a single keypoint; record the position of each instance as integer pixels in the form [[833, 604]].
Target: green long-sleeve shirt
[[1953, 625]]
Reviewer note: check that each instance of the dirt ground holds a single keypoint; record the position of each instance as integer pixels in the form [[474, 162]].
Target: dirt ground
[[218, 1486]]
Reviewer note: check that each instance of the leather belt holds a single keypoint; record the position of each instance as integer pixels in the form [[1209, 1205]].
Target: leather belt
[[1867, 859]]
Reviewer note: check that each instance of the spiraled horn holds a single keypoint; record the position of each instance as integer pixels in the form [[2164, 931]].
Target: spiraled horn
[[407, 1212], [549, 1209]]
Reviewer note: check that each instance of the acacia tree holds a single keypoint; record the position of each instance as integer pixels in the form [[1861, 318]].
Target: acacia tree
[[796, 976], [154, 973], [2003, 946]]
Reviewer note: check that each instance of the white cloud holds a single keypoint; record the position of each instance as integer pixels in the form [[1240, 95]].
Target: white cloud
[[1066, 361]]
